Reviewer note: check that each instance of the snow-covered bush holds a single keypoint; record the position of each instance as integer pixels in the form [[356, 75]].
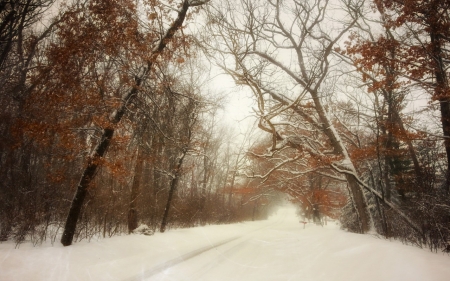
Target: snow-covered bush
[[144, 229]]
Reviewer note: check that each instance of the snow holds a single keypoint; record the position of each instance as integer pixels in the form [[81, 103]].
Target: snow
[[276, 249]]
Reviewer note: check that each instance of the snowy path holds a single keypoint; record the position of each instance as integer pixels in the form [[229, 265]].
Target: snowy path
[[277, 249], [285, 251]]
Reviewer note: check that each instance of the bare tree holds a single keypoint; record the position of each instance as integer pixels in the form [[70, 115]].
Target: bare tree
[[188, 121], [282, 51], [100, 150]]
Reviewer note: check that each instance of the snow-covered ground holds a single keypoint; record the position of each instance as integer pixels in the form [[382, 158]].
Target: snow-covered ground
[[276, 249]]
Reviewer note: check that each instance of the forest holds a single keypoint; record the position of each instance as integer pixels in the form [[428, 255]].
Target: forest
[[109, 126]]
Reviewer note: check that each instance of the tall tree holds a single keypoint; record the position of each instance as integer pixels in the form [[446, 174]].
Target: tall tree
[[422, 52], [376, 61], [121, 51], [282, 51], [188, 121], [22, 35]]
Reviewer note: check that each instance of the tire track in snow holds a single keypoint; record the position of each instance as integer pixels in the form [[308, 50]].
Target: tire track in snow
[[170, 263], [165, 265]]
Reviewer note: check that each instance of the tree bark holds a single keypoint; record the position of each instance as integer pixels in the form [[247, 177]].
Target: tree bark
[[135, 190], [86, 178], [173, 187], [189, 122], [356, 191], [441, 94], [339, 148]]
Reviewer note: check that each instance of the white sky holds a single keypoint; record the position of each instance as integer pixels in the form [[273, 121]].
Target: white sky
[[237, 110]]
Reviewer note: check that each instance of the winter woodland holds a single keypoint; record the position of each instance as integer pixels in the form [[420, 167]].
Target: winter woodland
[[110, 120]]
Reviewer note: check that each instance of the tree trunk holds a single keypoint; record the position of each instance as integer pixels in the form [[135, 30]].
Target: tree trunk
[[135, 190], [356, 191], [441, 93], [173, 187], [255, 209], [86, 178], [100, 150]]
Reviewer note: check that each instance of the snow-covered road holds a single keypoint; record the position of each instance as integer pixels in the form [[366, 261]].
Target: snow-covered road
[[282, 250], [277, 249]]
